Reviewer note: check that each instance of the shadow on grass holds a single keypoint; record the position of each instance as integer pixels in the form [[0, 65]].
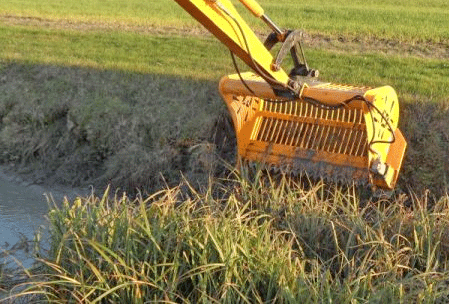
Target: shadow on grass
[[426, 128], [81, 126], [87, 127]]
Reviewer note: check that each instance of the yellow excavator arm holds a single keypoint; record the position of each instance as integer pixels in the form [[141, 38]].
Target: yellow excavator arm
[[294, 121], [222, 19]]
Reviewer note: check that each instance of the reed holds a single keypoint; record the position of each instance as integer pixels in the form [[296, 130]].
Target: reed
[[240, 241]]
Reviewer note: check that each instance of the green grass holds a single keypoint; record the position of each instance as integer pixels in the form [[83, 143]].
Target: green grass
[[100, 105], [246, 242], [399, 20], [155, 12], [191, 66], [415, 20], [206, 59], [411, 77], [169, 55]]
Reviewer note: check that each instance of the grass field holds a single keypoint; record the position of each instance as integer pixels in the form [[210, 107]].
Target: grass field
[[414, 20], [126, 37], [401, 44], [157, 38], [124, 92], [206, 59]]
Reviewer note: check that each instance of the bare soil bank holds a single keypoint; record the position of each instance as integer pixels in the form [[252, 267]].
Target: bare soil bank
[[81, 127]]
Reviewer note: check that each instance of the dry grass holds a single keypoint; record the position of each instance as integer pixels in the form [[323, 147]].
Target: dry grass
[[426, 127], [81, 126]]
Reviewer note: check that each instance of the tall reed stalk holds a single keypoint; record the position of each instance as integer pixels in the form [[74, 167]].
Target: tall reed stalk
[[246, 242]]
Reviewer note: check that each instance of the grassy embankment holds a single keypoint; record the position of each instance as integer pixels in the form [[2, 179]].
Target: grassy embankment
[[116, 46], [100, 88]]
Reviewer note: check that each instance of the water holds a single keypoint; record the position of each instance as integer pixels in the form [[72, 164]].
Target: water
[[22, 212], [23, 209]]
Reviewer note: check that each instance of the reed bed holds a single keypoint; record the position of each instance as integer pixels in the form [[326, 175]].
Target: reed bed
[[240, 241]]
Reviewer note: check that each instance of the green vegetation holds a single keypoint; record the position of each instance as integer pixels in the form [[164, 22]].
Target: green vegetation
[[134, 52], [95, 79], [207, 59], [246, 242], [124, 93], [129, 40], [156, 12], [401, 20], [413, 20], [82, 126]]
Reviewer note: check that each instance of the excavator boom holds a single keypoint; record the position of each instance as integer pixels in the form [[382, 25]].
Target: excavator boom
[[292, 120], [224, 22]]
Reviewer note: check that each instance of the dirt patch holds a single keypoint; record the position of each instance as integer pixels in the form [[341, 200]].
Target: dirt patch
[[64, 24], [423, 49], [351, 44]]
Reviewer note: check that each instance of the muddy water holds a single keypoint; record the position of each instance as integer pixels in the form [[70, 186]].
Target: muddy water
[[23, 207]]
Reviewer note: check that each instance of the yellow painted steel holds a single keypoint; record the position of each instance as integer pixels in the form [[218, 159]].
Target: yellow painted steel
[[358, 141], [381, 123], [236, 34], [345, 142], [254, 7]]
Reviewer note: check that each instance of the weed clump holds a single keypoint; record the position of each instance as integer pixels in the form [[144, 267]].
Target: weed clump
[[243, 241]]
